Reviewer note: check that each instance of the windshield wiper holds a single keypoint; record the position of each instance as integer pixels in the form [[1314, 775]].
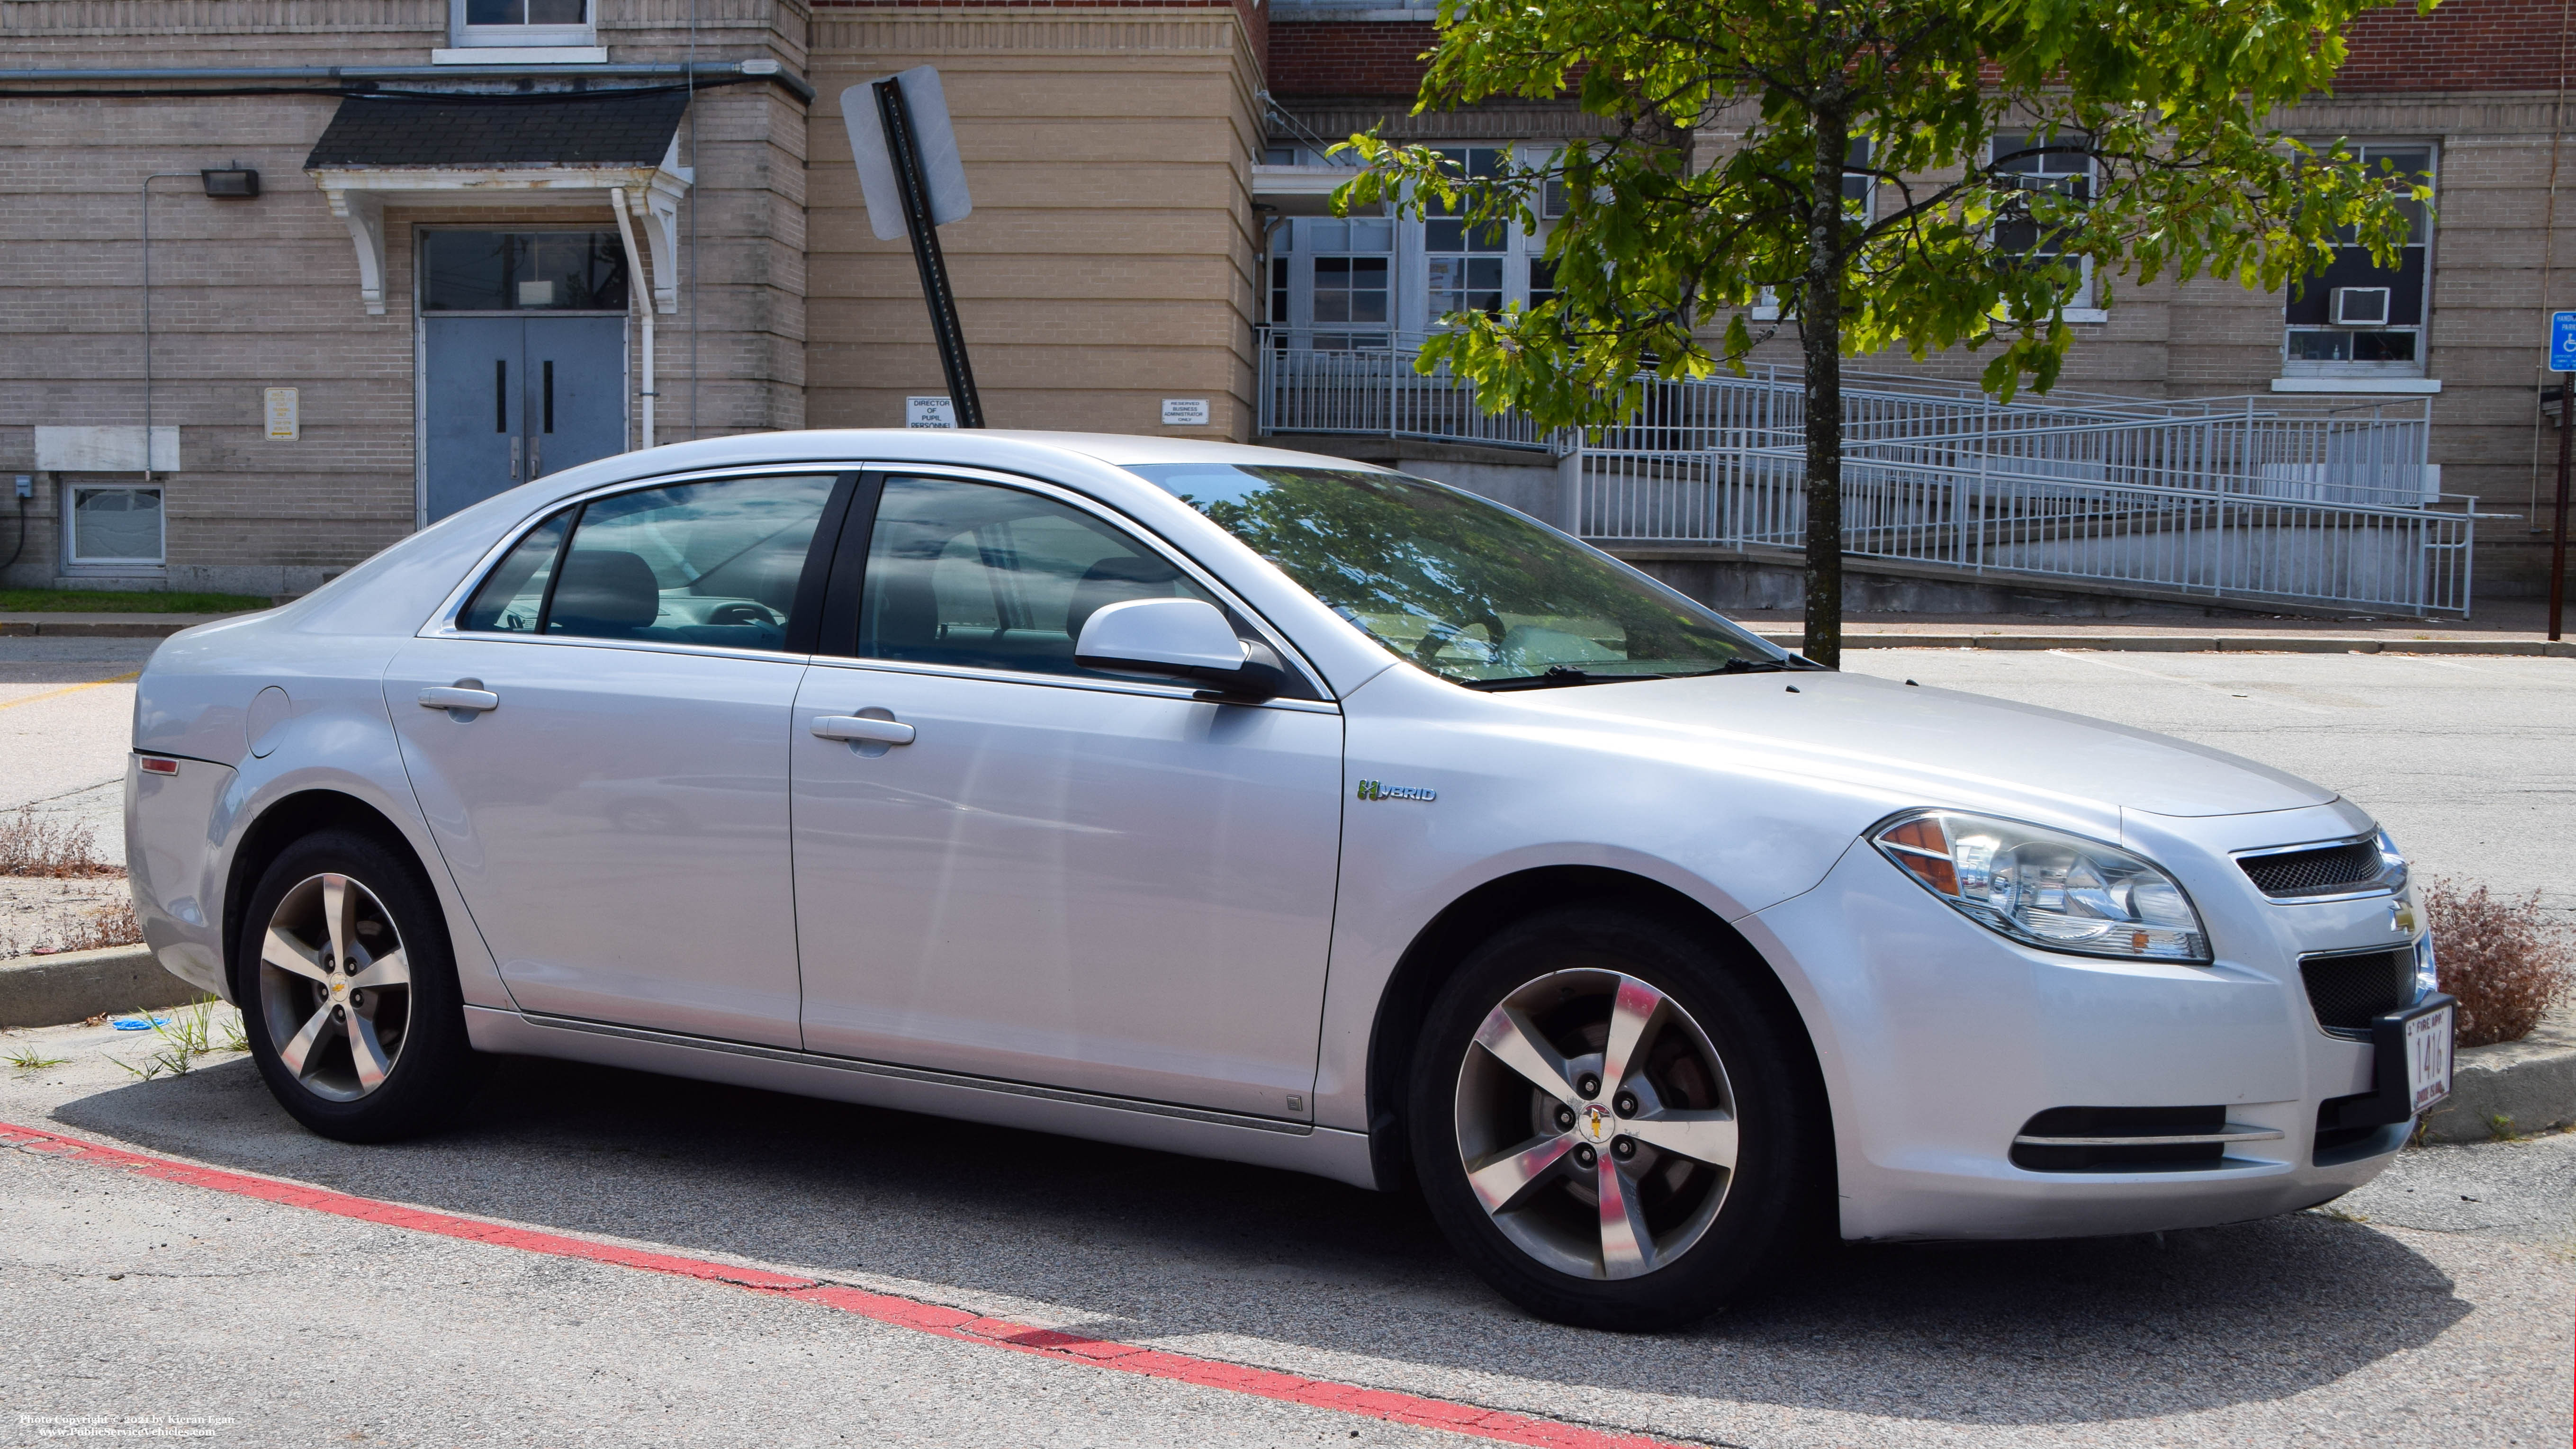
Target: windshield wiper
[[1558, 676]]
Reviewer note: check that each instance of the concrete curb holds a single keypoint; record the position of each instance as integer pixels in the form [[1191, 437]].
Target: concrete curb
[[2531, 1082], [77, 985], [2196, 643], [140, 626]]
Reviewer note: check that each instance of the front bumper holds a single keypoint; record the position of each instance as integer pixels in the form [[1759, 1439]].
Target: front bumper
[[1940, 1041]]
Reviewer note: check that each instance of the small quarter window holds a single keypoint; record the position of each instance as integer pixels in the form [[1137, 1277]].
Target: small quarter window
[[513, 596]]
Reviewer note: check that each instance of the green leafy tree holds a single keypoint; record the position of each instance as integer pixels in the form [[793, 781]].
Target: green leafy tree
[[1972, 242]]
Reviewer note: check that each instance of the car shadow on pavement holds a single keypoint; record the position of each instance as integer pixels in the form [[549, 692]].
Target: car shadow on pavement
[[1316, 1277]]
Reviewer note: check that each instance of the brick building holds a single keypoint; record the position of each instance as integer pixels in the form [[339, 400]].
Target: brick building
[[490, 238]]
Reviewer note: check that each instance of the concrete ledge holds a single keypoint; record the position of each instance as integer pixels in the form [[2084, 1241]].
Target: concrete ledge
[[101, 626], [2191, 643], [77, 985], [2531, 1081]]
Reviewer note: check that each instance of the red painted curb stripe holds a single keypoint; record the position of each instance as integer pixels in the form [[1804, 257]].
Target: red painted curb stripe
[[932, 1318]]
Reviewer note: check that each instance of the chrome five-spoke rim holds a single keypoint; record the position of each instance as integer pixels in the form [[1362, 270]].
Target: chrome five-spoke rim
[[334, 987], [1596, 1124]]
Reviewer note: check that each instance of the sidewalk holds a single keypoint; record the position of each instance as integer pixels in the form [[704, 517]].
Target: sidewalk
[[2513, 626]]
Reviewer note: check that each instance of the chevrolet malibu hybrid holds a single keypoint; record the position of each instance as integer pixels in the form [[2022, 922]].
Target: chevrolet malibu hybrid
[[1270, 807]]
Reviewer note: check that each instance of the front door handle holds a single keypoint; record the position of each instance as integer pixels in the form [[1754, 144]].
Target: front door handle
[[449, 697], [859, 729]]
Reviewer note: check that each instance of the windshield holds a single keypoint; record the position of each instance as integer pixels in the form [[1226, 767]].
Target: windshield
[[1462, 587]]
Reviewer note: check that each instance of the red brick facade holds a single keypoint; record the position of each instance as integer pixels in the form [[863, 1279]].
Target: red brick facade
[[1347, 57], [2466, 45]]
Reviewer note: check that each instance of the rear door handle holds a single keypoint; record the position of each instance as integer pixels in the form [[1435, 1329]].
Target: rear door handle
[[861, 729], [446, 697]]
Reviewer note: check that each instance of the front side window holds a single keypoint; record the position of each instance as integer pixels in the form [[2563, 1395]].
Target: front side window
[[995, 578], [115, 525], [1464, 588], [519, 22], [2356, 316], [714, 563]]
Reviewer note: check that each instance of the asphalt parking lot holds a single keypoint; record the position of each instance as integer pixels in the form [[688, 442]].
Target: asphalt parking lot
[[2433, 1307]]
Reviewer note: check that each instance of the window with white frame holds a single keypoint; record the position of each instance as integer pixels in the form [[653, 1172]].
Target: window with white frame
[[1360, 282], [1860, 203], [520, 22], [1463, 263], [2059, 164], [113, 526], [2356, 316]]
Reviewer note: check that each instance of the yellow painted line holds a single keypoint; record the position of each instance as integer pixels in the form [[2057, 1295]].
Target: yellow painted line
[[71, 689]]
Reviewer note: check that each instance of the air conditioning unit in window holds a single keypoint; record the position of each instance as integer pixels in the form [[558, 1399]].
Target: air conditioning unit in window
[[2361, 306]]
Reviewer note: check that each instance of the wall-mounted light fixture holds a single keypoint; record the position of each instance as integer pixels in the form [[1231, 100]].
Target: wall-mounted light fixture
[[231, 181]]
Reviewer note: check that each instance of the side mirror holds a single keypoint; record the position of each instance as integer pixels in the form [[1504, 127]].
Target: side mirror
[[1175, 638]]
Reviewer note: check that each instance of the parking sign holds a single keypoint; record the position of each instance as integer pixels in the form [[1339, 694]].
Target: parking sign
[[2562, 342]]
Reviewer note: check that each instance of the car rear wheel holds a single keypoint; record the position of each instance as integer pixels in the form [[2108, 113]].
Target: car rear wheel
[[348, 992], [1611, 1123]]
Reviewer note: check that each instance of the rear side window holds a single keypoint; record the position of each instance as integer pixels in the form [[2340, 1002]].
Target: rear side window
[[694, 563]]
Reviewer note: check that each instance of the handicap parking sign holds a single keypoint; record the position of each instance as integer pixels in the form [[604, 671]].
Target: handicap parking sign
[[2562, 342]]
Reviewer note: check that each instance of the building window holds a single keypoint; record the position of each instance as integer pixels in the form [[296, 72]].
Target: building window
[[522, 271], [2058, 164], [2358, 317], [519, 22], [1465, 263], [113, 526], [1336, 286]]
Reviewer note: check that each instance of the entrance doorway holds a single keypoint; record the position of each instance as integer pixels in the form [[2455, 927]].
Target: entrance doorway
[[516, 382]]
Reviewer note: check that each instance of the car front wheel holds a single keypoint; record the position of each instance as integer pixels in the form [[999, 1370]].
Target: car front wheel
[[1611, 1123], [348, 992]]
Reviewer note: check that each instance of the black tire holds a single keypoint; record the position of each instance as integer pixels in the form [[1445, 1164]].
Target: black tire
[[1730, 1226], [430, 1071]]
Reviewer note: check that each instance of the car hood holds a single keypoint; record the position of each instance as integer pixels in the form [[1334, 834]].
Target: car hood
[[1949, 744]]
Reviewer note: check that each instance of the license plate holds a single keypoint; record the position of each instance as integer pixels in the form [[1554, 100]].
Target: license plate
[[2428, 1058]]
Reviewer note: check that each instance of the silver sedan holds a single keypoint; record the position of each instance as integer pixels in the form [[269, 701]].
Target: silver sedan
[[1269, 807]]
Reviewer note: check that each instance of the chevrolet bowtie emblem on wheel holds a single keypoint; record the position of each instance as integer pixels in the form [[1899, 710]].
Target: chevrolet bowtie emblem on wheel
[[1595, 1124], [1378, 790]]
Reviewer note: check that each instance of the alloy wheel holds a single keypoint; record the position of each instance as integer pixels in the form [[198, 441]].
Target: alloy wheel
[[335, 987], [1596, 1124]]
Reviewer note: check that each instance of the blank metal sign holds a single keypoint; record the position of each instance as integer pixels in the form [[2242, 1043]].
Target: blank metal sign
[[943, 175]]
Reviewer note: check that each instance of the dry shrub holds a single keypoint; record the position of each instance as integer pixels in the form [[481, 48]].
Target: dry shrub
[[112, 924], [2505, 960], [49, 845]]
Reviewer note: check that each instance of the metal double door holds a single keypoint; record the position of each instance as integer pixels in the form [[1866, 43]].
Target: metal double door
[[510, 399]]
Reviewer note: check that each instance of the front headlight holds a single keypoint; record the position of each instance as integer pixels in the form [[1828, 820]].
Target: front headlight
[[2045, 888]]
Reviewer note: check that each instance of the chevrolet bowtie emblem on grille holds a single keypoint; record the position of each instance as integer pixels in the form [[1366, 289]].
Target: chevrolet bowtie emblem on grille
[[1379, 790]]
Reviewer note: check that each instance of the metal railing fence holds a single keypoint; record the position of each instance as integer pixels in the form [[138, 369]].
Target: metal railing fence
[[2312, 501], [1981, 521], [2311, 449]]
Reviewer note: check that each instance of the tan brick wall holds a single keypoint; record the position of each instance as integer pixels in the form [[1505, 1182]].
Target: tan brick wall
[[264, 293], [1109, 261]]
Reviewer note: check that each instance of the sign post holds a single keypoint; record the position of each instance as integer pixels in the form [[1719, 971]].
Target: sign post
[[909, 168], [2562, 360]]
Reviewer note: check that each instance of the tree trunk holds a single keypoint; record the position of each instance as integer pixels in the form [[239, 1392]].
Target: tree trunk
[[1820, 336]]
